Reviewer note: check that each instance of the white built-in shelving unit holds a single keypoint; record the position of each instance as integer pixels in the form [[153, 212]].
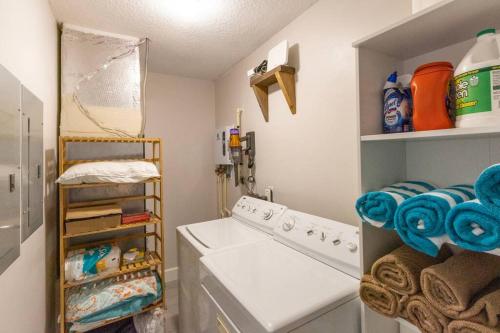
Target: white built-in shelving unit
[[444, 32]]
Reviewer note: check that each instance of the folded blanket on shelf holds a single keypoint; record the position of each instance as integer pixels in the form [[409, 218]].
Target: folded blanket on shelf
[[380, 299], [378, 207], [399, 271], [463, 326], [452, 285], [488, 188], [420, 221], [423, 315], [473, 227]]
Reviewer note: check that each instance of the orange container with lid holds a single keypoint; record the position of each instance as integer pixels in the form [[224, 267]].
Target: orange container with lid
[[433, 96]]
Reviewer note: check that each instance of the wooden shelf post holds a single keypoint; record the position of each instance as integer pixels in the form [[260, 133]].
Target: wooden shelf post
[[285, 77]]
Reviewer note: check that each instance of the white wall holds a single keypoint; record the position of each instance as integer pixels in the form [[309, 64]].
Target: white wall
[[182, 112], [310, 158], [418, 5], [29, 49]]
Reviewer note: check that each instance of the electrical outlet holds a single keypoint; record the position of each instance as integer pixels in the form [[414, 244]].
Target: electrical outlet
[[268, 192]]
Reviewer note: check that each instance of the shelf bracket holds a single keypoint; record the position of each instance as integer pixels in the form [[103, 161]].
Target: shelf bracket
[[286, 82], [285, 77], [262, 97]]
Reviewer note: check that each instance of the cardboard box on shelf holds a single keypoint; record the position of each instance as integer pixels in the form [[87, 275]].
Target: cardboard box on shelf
[[88, 219]]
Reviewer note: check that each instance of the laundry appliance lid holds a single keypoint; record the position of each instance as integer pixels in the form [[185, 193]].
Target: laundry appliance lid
[[226, 232], [278, 286]]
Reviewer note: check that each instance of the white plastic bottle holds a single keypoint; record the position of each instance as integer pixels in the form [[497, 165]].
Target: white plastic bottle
[[477, 82]]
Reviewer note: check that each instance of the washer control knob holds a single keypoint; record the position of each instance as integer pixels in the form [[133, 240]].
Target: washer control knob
[[268, 213], [310, 232], [323, 236], [336, 241], [352, 246], [289, 224]]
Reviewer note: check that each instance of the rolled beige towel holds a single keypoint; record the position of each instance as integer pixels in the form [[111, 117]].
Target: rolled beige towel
[[423, 315], [452, 285], [463, 326], [380, 299], [485, 307], [399, 271]]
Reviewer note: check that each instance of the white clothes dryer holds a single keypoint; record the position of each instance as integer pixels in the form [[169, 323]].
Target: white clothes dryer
[[306, 279]]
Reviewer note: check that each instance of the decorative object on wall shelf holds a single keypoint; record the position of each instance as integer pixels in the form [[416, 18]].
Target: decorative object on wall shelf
[[260, 69], [278, 55], [285, 77]]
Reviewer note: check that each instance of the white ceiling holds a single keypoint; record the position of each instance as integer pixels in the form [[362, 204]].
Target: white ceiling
[[194, 38]]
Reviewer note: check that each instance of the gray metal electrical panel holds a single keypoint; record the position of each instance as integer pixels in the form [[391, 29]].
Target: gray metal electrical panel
[[10, 165], [31, 163], [21, 165]]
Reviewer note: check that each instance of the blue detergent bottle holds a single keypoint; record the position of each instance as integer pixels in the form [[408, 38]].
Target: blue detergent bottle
[[393, 120]]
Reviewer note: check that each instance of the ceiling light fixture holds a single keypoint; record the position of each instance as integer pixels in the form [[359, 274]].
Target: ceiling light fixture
[[191, 11]]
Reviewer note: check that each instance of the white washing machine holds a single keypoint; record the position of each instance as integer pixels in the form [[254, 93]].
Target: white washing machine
[[252, 220], [306, 279]]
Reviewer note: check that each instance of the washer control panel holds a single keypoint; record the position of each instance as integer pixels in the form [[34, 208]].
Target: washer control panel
[[332, 242], [258, 213]]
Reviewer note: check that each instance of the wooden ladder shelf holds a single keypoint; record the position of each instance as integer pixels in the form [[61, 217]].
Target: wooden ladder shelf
[[151, 230], [285, 77]]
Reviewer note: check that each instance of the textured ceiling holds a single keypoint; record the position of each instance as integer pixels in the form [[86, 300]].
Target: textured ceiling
[[195, 38]]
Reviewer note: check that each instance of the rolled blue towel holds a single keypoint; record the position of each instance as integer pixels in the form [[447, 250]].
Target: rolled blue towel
[[487, 188], [420, 221], [474, 227], [378, 208]]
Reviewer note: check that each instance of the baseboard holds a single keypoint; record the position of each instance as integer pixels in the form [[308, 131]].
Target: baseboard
[[171, 274]]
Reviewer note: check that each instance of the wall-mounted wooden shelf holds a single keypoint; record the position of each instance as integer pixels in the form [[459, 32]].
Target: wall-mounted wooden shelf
[[285, 77]]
